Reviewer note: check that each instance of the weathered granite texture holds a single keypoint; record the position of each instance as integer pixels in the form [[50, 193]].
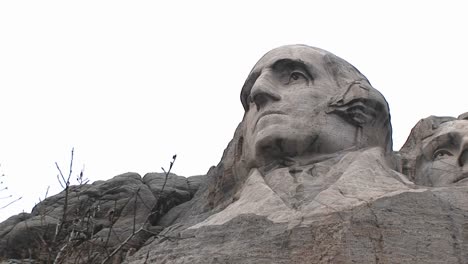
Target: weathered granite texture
[[104, 212], [436, 152], [309, 177]]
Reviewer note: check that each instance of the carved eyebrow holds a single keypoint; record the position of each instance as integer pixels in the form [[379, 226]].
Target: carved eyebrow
[[280, 64], [451, 139], [291, 64]]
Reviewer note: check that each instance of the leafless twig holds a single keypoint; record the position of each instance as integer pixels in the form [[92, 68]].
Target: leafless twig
[[8, 196], [142, 227], [8, 204], [65, 182]]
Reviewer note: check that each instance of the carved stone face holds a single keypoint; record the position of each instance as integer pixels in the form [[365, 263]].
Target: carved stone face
[[444, 157], [287, 98]]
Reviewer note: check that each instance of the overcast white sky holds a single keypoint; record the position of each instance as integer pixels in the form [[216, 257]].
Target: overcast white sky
[[130, 83]]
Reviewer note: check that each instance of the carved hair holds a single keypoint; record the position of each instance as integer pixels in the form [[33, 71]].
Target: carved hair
[[359, 104]]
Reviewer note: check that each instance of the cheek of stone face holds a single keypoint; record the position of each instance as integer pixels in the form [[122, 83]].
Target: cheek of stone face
[[335, 134], [438, 173]]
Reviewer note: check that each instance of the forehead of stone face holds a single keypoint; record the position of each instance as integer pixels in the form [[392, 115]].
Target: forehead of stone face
[[317, 62], [455, 126], [306, 54], [448, 132]]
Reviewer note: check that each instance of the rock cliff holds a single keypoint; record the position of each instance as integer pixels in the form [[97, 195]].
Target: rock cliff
[[310, 176]]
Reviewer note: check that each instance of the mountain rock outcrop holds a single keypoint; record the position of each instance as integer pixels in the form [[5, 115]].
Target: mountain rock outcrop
[[310, 176], [99, 216]]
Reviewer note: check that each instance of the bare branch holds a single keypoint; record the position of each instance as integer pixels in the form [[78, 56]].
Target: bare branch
[[47, 192], [65, 203], [167, 174], [11, 203], [121, 245], [58, 179], [6, 197], [71, 167], [142, 227], [61, 175]]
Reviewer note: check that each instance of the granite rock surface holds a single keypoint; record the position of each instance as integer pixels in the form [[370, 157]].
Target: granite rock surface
[[105, 212], [310, 176]]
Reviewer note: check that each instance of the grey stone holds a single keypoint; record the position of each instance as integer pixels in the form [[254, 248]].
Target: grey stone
[[309, 177], [386, 230], [104, 213], [436, 152]]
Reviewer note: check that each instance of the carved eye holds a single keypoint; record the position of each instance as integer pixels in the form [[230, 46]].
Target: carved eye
[[441, 153], [296, 75]]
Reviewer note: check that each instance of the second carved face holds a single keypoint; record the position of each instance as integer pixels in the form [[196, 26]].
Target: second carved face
[[444, 156]]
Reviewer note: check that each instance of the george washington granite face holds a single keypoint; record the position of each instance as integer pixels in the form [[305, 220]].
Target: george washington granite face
[[303, 102]]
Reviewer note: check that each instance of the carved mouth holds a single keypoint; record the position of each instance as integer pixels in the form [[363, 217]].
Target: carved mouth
[[269, 112]]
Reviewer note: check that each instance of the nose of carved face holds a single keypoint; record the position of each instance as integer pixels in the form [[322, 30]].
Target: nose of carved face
[[263, 92]]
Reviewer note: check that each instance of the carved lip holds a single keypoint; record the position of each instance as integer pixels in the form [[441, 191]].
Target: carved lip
[[269, 112]]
